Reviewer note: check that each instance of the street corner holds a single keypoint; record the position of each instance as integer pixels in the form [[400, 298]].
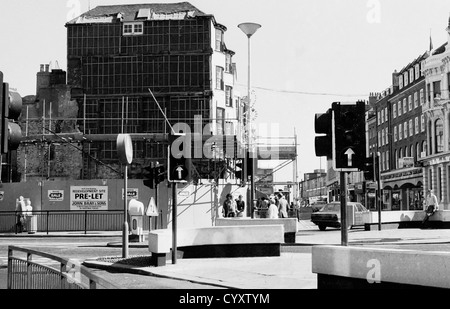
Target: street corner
[[132, 264]]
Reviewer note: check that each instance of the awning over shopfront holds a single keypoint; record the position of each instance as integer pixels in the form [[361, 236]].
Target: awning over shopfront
[[402, 184]]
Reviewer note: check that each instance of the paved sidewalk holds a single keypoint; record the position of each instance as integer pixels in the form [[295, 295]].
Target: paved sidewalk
[[291, 270]]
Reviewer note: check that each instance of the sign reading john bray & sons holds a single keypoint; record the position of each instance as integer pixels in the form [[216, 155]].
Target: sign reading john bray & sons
[[89, 198]]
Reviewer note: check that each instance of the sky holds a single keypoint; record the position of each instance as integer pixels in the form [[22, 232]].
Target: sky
[[307, 54]]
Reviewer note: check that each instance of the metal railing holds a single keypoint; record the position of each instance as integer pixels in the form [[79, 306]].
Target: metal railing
[[71, 221], [69, 274]]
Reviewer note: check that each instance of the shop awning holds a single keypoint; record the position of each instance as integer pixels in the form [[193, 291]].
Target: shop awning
[[402, 184]]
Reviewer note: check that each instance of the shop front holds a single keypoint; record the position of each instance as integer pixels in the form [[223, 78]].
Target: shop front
[[403, 190]]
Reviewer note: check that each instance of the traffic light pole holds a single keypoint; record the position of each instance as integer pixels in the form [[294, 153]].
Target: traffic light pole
[[344, 230], [379, 197], [125, 223], [174, 222]]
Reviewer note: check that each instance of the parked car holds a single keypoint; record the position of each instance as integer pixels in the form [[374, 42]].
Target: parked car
[[330, 215], [317, 206]]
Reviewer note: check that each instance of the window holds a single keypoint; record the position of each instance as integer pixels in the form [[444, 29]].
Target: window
[[436, 89], [410, 103], [428, 93], [229, 96], [395, 133], [387, 135], [405, 130], [405, 78], [399, 108], [394, 110], [439, 129], [219, 78], [395, 159], [127, 29], [379, 138], [422, 123], [386, 114], [448, 81], [424, 148], [228, 65], [416, 100], [405, 106], [133, 28], [400, 81], [379, 118], [418, 155], [400, 132], [382, 116], [411, 128], [219, 40], [417, 71], [411, 75], [220, 121], [421, 97], [382, 137], [387, 160], [416, 125]]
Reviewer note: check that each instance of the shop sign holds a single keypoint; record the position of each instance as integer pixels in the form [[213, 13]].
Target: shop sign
[[89, 198]]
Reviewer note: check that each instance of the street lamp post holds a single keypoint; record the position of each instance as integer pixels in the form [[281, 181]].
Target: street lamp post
[[249, 29]]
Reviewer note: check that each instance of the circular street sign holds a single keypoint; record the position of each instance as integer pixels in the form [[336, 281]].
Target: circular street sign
[[125, 148]]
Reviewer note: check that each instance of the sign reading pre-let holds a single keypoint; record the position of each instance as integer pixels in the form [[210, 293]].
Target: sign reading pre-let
[[89, 198]]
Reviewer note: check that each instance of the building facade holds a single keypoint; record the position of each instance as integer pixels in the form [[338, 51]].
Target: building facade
[[436, 163], [402, 139], [142, 69], [313, 188]]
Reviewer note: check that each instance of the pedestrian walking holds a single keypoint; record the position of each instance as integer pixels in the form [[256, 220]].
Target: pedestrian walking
[[282, 206], [273, 209], [240, 206], [431, 206], [229, 207], [21, 209]]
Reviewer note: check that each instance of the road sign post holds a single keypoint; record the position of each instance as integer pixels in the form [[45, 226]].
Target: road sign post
[[125, 153], [344, 229]]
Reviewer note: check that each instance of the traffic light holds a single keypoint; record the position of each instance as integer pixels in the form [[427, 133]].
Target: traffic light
[[371, 168], [323, 143], [10, 110], [179, 153], [149, 177], [350, 136], [241, 172], [250, 164], [159, 173]]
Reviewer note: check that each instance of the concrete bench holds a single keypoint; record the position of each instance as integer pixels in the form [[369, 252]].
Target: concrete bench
[[217, 241], [290, 224], [407, 219], [346, 267]]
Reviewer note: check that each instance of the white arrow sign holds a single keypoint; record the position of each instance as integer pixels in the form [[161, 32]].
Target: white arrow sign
[[349, 154], [180, 171]]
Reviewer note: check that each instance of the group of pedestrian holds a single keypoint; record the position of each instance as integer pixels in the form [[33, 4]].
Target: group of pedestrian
[[233, 208], [278, 206]]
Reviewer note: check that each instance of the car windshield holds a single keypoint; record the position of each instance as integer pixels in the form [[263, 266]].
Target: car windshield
[[331, 207]]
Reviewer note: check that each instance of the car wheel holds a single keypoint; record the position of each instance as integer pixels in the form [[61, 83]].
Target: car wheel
[[322, 227]]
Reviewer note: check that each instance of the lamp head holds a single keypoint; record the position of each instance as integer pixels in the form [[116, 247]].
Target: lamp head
[[249, 28]]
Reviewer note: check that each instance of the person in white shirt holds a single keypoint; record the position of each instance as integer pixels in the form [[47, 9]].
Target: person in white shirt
[[432, 205], [273, 209]]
